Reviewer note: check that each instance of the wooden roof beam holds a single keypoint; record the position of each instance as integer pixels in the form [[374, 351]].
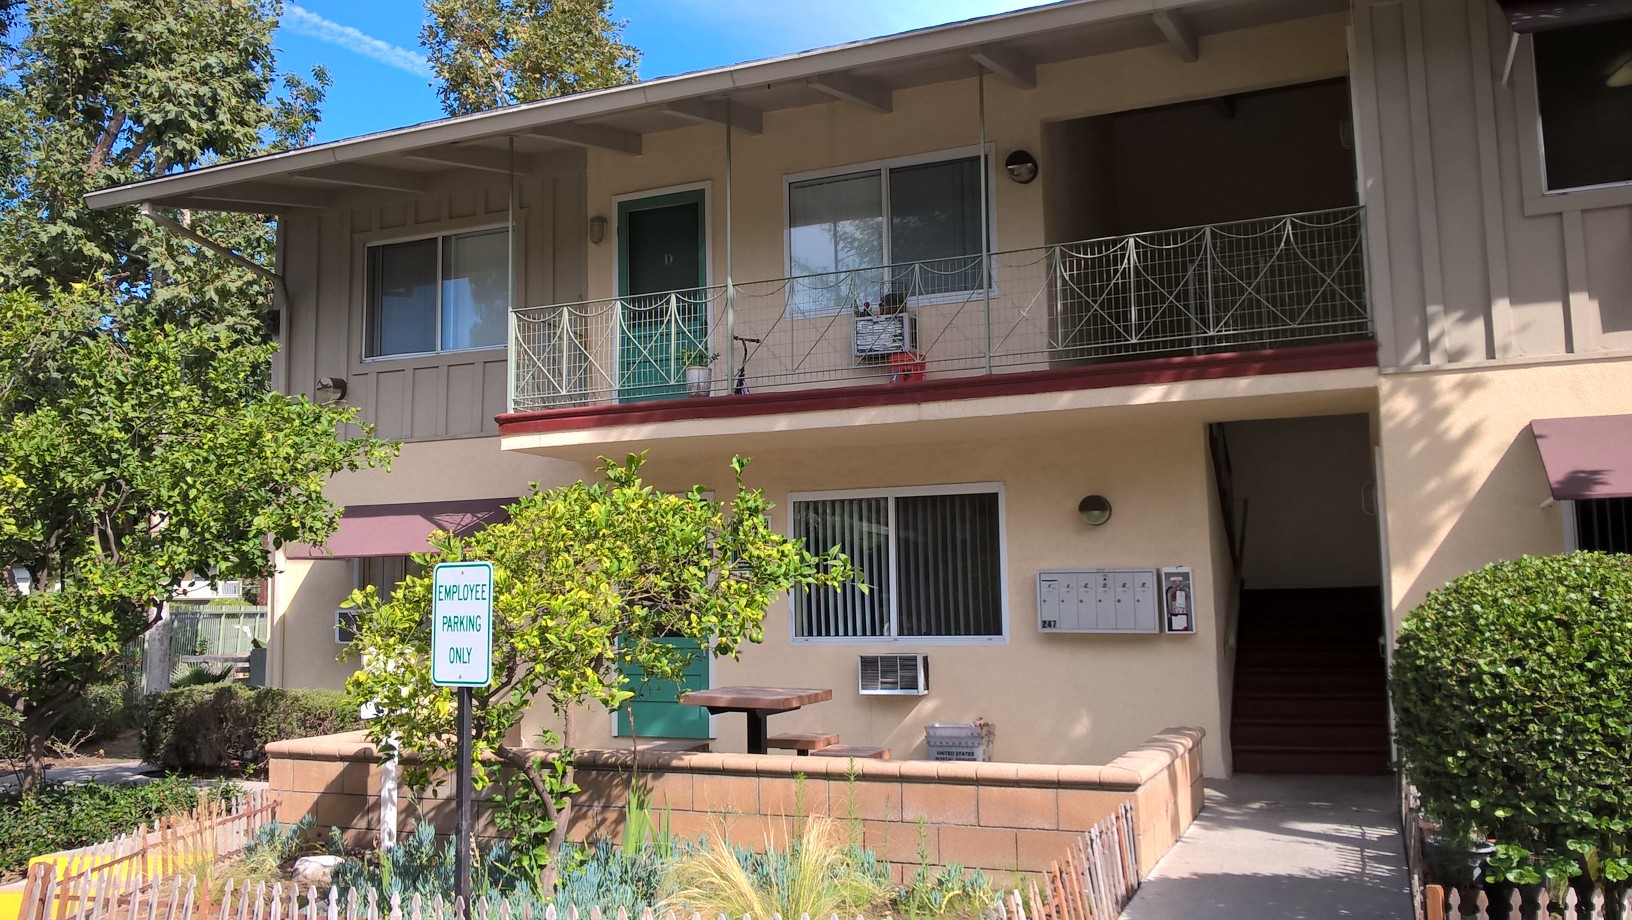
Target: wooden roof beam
[[592, 136], [359, 175], [854, 90], [485, 159], [718, 112], [1009, 65], [1176, 29]]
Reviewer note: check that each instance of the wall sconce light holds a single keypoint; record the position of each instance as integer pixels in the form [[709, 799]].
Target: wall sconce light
[[1022, 166], [1095, 509], [597, 230], [331, 389]]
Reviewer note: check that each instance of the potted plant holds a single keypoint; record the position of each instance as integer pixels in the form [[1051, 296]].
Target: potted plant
[[699, 363]]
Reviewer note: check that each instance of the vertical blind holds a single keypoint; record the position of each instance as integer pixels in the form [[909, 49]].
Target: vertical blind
[[933, 563]]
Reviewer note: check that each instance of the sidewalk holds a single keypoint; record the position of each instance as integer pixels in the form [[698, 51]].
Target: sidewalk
[[1285, 847]]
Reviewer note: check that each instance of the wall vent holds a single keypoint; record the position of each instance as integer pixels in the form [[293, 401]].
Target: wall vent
[[894, 675]]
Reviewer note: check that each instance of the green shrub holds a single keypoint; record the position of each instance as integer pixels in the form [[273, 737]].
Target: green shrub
[[103, 712], [1512, 688], [212, 727], [63, 817]]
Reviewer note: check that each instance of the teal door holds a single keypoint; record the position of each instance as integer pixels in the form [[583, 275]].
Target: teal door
[[657, 708], [661, 276]]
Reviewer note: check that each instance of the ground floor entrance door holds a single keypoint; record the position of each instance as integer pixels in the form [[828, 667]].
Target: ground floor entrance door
[[661, 276], [656, 710]]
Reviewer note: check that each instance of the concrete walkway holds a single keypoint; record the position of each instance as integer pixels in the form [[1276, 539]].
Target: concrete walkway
[[1285, 847]]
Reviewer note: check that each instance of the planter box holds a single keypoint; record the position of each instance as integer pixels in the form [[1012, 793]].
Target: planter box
[[877, 336]]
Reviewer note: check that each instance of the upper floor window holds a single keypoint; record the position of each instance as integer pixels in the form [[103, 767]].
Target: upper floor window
[[932, 558], [1604, 524], [907, 227], [446, 293], [1584, 93]]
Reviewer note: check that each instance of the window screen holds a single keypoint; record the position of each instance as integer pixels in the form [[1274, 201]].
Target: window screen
[[1584, 92]]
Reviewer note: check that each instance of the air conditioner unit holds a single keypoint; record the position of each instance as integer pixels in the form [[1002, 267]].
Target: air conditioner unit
[[894, 675], [345, 625]]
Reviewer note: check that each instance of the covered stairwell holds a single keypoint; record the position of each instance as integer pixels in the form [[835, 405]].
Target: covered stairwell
[[1310, 683]]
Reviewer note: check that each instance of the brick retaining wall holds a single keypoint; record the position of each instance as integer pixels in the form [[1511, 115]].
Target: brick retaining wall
[[1000, 817]]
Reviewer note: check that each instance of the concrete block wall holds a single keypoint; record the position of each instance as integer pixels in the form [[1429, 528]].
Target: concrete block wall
[[999, 817]]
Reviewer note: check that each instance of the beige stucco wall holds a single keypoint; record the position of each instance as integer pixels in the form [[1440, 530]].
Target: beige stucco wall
[[1463, 480], [1053, 698], [1468, 260]]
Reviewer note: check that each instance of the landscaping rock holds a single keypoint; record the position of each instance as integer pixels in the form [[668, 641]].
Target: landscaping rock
[[316, 871]]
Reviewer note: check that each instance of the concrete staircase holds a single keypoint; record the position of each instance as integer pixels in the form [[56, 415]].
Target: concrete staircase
[[1310, 684]]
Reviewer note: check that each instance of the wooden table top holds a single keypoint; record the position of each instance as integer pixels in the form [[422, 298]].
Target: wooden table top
[[756, 697]]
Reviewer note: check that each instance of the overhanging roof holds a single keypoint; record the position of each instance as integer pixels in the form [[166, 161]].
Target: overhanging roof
[[868, 73], [1588, 457]]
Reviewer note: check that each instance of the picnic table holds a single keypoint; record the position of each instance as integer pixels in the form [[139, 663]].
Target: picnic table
[[757, 703]]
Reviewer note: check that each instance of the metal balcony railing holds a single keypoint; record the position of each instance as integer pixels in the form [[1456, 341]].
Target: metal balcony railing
[[1272, 282]]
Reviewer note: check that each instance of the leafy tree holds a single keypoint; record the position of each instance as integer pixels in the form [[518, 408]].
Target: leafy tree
[[1512, 691], [134, 450], [587, 580], [101, 92], [492, 53]]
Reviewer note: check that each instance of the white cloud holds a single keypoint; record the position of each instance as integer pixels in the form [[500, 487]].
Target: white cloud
[[305, 22]]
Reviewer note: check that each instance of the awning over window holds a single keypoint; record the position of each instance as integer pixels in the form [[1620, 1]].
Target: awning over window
[[1587, 457], [1541, 15], [397, 530]]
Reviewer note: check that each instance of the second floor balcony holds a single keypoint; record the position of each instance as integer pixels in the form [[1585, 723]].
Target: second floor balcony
[[1248, 286]]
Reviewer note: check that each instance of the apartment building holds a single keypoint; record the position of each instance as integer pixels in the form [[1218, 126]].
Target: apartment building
[[1152, 359]]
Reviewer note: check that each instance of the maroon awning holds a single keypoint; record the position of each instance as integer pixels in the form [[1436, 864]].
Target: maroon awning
[[1541, 15], [397, 530], [1588, 457]]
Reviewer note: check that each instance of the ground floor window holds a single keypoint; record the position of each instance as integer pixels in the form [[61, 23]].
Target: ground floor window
[[1604, 524], [932, 560]]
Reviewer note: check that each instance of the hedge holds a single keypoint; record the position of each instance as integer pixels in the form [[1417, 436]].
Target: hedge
[[209, 728], [1512, 691], [63, 817]]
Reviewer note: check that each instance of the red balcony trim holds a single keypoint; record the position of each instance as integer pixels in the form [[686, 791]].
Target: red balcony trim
[[1025, 383]]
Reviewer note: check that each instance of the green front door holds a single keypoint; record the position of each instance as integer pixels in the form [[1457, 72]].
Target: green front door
[[660, 278], [657, 708]]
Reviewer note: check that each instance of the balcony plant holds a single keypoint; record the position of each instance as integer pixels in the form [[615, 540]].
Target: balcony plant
[[699, 364]]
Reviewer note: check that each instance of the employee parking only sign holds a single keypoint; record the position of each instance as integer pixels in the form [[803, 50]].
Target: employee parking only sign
[[462, 624]]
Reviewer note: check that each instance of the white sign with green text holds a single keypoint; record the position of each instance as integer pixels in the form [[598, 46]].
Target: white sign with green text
[[462, 624]]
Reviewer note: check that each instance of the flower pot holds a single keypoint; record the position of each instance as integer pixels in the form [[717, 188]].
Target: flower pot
[[699, 381]]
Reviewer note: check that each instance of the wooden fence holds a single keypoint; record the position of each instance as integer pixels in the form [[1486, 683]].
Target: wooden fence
[[1474, 904], [125, 869], [1094, 881]]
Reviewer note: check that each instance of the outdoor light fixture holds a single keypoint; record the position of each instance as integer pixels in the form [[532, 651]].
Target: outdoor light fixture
[[1095, 509], [1022, 166], [331, 389], [597, 229]]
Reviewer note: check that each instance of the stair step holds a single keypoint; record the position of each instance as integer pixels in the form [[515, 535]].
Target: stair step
[[1248, 759], [1304, 736], [1312, 707]]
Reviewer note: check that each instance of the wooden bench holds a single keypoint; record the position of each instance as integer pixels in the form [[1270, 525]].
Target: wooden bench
[[673, 747], [858, 751], [802, 743]]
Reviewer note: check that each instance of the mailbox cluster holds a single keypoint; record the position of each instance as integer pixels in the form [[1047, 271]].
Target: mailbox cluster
[[1115, 601]]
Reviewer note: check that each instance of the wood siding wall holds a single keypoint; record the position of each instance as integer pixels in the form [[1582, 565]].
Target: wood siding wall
[[1469, 262], [428, 396]]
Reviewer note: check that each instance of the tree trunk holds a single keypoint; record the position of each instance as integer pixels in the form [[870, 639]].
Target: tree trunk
[[36, 731]]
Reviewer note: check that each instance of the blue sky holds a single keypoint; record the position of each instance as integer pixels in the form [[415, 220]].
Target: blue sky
[[381, 81]]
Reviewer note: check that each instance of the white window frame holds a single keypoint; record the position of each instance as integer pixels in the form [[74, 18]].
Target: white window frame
[[1538, 198], [883, 168], [455, 229], [964, 488]]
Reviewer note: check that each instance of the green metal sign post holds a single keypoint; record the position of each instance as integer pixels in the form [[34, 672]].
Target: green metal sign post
[[462, 657]]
